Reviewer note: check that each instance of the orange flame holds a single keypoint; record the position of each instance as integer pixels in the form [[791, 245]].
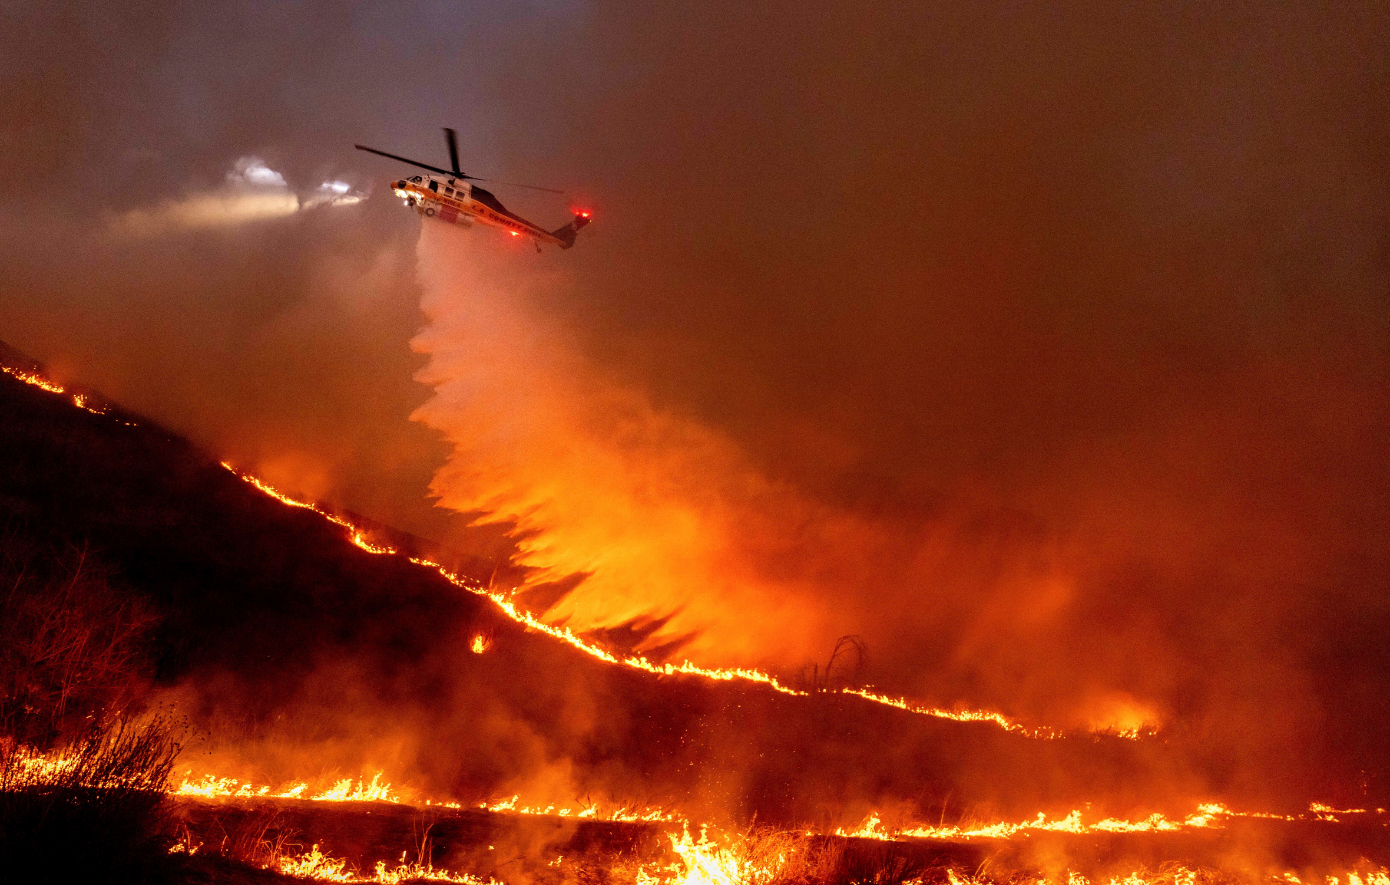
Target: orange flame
[[346, 790], [1206, 816], [36, 380]]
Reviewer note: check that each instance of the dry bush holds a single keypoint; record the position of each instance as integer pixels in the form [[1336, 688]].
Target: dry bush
[[260, 838], [766, 856], [94, 810], [73, 644], [758, 856], [844, 669]]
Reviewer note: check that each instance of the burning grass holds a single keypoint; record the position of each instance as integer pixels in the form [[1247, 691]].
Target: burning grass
[[353, 842]]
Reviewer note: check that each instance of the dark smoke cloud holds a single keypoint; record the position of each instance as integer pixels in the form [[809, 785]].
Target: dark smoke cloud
[[1083, 308], [1064, 327]]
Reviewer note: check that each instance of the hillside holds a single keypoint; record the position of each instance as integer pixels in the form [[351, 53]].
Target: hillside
[[294, 654]]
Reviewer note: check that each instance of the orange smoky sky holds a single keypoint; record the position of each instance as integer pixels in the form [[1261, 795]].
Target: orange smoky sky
[[1046, 348]]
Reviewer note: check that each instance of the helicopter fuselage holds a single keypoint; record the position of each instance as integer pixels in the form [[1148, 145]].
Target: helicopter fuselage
[[459, 202], [452, 198]]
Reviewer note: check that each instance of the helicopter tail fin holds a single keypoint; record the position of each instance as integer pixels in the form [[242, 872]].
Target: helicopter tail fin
[[567, 233]]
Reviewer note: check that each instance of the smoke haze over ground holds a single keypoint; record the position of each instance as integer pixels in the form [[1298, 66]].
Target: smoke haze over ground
[[1046, 348]]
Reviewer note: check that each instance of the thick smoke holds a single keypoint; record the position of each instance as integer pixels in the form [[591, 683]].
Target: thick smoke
[[1042, 347]]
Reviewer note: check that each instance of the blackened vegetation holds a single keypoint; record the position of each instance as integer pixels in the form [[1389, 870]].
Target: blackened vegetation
[[844, 669], [510, 848]]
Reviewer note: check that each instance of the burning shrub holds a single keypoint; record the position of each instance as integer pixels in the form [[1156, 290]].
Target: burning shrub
[[96, 806], [759, 856]]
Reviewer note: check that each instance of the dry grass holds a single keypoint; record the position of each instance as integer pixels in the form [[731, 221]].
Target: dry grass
[[73, 643]]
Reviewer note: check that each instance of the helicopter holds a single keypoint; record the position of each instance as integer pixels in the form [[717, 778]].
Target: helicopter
[[455, 199]]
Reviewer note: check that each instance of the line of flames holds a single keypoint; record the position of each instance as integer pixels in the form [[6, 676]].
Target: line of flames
[[706, 862], [703, 862], [738, 861], [346, 790], [742, 860], [361, 790], [1212, 815], [637, 662], [1207, 816], [43, 383]]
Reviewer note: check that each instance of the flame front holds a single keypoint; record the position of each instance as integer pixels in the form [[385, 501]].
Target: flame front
[[36, 380], [1207, 816], [346, 790], [359, 537]]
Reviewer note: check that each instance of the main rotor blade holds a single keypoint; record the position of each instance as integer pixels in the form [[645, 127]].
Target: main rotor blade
[[455, 173], [549, 190], [452, 137], [362, 147]]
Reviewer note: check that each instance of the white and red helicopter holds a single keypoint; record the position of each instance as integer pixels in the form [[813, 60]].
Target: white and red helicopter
[[452, 198]]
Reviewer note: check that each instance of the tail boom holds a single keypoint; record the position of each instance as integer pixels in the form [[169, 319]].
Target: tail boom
[[564, 236]]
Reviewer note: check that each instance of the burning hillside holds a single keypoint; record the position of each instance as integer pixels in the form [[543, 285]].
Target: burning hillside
[[324, 663]]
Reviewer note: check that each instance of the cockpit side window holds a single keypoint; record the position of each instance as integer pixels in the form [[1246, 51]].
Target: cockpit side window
[[416, 179]]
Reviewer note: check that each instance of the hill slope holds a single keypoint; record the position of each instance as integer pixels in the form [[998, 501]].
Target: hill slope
[[295, 654]]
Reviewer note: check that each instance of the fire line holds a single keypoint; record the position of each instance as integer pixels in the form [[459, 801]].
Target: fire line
[[637, 662]]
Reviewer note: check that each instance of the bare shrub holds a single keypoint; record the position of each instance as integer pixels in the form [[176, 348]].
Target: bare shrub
[[72, 642], [94, 809], [843, 670]]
